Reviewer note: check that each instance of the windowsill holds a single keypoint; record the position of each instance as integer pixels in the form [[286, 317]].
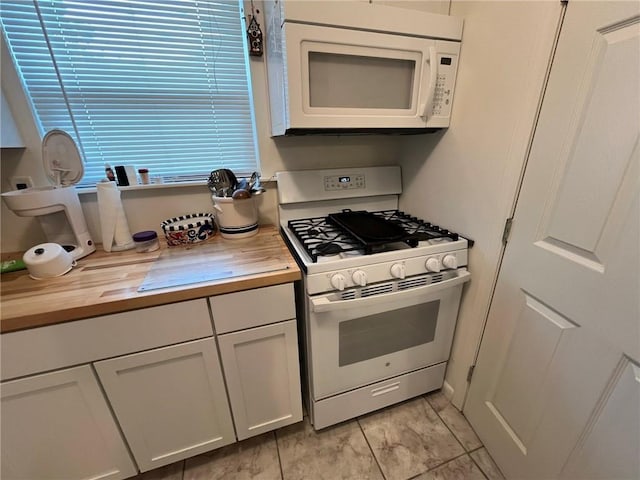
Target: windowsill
[[156, 186], [150, 186]]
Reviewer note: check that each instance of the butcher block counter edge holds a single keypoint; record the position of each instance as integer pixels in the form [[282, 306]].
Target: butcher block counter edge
[[104, 283]]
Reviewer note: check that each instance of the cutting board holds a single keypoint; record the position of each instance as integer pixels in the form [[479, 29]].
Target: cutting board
[[205, 263]]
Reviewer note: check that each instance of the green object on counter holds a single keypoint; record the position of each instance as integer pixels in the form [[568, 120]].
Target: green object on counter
[[12, 266]]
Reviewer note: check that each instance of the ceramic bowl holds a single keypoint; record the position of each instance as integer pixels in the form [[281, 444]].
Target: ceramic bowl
[[188, 229]]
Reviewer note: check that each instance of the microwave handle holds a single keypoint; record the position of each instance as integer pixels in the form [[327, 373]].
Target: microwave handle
[[323, 304], [433, 75]]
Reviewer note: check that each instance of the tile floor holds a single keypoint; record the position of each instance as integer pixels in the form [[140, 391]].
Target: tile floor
[[425, 438]]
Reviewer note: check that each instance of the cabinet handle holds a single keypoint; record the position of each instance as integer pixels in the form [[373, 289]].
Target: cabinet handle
[[386, 389], [324, 304], [433, 75]]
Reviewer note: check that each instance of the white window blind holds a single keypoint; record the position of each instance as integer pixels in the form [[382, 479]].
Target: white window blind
[[160, 84]]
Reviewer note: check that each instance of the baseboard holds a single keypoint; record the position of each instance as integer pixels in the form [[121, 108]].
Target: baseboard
[[447, 390]]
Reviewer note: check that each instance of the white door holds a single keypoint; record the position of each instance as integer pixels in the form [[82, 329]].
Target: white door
[[58, 425], [263, 376], [171, 402], [556, 391]]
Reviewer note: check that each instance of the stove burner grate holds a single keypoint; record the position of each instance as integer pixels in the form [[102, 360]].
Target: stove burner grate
[[415, 226], [321, 236], [328, 248], [314, 232]]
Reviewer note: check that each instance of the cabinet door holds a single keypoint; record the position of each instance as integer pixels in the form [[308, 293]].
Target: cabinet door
[[58, 425], [171, 402], [263, 377]]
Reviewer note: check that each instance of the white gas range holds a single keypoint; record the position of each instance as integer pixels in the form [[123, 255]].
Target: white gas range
[[380, 292]]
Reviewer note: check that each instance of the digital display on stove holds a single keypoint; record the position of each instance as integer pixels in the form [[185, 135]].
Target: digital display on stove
[[343, 182]]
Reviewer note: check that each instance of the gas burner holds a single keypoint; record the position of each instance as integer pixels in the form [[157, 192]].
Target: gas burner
[[365, 233], [312, 233], [328, 248]]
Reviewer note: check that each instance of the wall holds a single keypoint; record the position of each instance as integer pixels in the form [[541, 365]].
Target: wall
[[466, 178], [145, 209]]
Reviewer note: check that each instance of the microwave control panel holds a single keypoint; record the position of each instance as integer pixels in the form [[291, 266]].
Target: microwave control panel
[[445, 81], [343, 182]]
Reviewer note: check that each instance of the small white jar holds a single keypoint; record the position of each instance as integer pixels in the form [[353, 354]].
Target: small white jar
[[146, 241]]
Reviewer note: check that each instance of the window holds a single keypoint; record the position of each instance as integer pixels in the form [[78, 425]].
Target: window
[[155, 84]]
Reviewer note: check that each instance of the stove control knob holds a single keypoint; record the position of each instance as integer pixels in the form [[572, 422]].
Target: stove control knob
[[359, 278], [398, 270], [338, 281], [450, 261], [433, 265]]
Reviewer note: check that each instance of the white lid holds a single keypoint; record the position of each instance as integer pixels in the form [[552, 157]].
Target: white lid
[[43, 253], [62, 161]]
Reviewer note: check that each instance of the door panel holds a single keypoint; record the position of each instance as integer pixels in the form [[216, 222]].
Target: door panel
[[263, 377], [171, 402], [607, 449], [518, 398], [548, 387], [58, 425], [607, 110]]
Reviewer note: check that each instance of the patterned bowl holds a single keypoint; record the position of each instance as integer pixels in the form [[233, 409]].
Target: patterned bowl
[[188, 229]]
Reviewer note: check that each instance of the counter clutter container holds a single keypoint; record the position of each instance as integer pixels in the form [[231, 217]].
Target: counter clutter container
[[188, 229], [146, 241], [236, 218], [47, 260]]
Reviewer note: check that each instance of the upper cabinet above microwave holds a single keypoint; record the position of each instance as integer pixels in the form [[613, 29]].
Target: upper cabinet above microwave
[[352, 66]]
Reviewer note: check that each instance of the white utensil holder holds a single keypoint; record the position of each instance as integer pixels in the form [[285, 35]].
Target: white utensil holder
[[236, 218]]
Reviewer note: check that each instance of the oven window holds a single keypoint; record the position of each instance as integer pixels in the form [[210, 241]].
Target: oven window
[[353, 81], [369, 337]]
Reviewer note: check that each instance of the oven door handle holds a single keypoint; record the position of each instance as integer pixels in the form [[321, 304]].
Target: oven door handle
[[323, 304]]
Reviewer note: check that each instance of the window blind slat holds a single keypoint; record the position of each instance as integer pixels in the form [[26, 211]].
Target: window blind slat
[[147, 83]]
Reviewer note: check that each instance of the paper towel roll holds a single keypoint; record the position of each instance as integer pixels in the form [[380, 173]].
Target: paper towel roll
[[113, 222]]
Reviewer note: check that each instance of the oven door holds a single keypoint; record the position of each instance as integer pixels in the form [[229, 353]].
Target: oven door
[[384, 330]]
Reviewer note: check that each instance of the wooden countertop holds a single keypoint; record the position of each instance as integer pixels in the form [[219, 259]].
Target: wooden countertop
[[104, 283]]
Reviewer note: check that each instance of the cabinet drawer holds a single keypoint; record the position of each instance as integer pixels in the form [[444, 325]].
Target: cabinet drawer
[[253, 308], [381, 394], [83, 341]]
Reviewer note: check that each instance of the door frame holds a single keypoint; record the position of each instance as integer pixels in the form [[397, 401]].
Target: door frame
[[512, 210]]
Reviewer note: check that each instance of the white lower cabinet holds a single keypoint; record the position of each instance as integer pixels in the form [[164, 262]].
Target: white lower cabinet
[[58, 426], [263, 377], [149, 385], [170, 402]]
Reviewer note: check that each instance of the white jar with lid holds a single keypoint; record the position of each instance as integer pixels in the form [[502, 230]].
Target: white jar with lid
[[146, 241], [47, 260]]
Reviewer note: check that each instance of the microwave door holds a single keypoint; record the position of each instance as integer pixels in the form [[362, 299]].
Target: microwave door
[[356, 79]]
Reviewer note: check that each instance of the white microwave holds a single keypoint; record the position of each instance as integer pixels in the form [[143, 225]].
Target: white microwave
[[357, 67]]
